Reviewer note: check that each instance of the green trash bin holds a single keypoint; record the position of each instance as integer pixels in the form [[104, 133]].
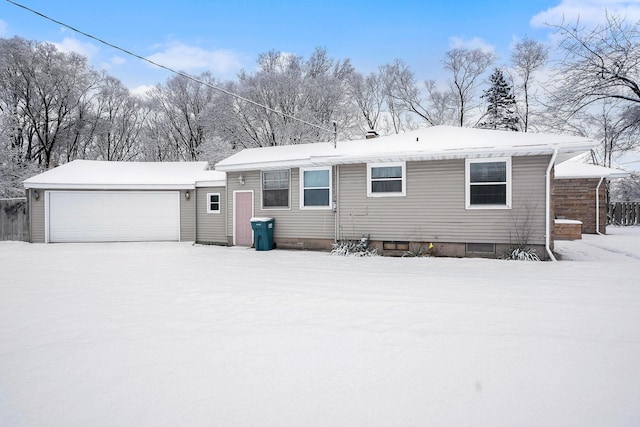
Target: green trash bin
[[262, 233]]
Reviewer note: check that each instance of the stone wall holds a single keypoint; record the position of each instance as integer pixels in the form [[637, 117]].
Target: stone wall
[[576, 199]]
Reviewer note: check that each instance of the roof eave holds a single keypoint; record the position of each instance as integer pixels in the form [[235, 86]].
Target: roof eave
[[402, 156], [63, 186]]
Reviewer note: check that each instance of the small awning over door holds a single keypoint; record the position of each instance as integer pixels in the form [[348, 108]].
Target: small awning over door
[[113, 216]]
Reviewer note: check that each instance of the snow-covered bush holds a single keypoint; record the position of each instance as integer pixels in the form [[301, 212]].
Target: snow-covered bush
[[521, 254], [353, 248]]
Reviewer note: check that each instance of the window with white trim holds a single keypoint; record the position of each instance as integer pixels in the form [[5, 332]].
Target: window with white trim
[[315, 188], [275, 189], [213, 202], [386, 179], [488, 183]]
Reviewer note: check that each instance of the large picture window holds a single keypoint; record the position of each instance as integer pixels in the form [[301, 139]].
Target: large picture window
[[488, 183], [275, 189], [386, 179], [315, 188]]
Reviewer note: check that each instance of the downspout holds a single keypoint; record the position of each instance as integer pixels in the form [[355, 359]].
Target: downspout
[[598, 206], [29, 209], [336, 196], [195, 215], [226, 209], [547, 238]]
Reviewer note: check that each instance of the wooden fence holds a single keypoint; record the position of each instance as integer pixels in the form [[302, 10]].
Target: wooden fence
[[624, 213], [14, 219]]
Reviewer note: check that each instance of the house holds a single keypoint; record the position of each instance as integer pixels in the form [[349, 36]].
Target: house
[[467, 192], [580, 198], [461, 191], [95, 201]]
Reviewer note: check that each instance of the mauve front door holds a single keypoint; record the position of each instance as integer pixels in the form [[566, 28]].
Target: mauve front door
[[243, 212]]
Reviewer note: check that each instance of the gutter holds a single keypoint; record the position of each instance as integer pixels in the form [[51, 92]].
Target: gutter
[[547, 237], [391, 156], [598, 206]]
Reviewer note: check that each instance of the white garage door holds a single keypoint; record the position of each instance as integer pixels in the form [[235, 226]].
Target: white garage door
[[113, 216]]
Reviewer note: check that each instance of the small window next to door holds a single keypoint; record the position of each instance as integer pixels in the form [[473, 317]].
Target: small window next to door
[[213, 203]]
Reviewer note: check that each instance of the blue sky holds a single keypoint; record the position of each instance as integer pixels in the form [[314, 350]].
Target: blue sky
[[224, 37]]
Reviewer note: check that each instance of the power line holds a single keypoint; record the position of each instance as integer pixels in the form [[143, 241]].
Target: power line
[[180, 73]]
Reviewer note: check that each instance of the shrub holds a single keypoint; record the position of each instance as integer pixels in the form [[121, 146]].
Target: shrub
[[353, 248], [521, 254]]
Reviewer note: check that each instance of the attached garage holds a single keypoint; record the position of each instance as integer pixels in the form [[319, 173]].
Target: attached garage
[[95, 201], [113, 216]]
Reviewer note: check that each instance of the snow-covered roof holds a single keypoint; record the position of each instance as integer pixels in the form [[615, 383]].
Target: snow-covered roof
[[433, 143], [95, 175], [573, 169], [211, 179]]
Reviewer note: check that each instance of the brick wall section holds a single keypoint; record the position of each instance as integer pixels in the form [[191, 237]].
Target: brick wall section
[[575, 199], [568, 231]]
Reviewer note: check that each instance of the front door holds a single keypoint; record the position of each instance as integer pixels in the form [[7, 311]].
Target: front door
[[242, 214]]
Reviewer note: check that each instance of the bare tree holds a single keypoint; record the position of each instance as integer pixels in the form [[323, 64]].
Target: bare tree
[[611, 125], [467, 67], [313, 91], [441, 104], [183, 102], [46, 88], [626, 189], [119, 123], [403, 92], [368, 96], [598, 84], [527, 57], [602, 63]]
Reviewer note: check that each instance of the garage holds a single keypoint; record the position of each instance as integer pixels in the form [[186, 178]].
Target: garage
[[102, 201], [113, 216]]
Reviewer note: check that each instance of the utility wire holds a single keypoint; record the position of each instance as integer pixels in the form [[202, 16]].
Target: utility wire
[[180, 73]]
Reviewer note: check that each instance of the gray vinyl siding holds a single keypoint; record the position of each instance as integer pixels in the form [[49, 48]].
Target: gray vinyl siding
[[210, 227], [36, 217], [291, 222], [433, 209], [187, 216]]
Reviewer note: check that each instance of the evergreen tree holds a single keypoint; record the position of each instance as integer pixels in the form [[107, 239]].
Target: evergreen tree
[[501, 105]]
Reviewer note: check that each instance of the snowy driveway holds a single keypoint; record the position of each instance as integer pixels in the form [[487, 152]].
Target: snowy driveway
[[176, 334]]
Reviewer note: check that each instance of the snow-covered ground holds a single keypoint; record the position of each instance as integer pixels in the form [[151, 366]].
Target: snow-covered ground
[[177, 334]]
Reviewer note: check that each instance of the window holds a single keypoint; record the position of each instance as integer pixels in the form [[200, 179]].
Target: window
[[275, 189], [488, 183], [213, 202], [481, 248], [315, 188], [395, 246], [386, 179]]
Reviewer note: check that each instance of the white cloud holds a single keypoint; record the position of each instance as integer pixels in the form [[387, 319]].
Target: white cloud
[[192, 58], [141, 91], [590, 12], [474, 43], [70, 44], [118, 60], [3, 28]]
